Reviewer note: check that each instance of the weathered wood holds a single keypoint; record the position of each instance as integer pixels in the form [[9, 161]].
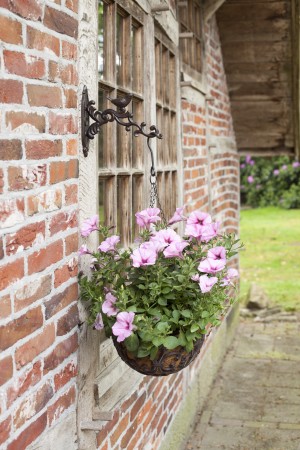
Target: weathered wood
[[102, 415], [262, 52], [210, 7], [296, 75], [243, 91], [254, 31], [272, 71], [261, 11], [276, 151]]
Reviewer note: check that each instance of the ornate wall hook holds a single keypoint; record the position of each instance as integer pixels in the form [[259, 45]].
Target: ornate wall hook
[[121, 116]]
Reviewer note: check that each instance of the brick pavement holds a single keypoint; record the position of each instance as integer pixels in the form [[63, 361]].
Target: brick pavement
[[255, 400]]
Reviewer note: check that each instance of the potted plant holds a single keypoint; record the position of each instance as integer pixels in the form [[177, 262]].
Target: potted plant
[[158, 298]]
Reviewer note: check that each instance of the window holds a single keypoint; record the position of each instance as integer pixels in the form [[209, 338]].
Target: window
[[121, 155], [124, 160], [190, 18]]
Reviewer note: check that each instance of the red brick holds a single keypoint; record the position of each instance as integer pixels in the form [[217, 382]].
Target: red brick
[[5, 428], [27, 122], [31, 292], [1, 248], [137, 406], [20, 328], [11, 272], [129, 434], [26, 177], [68, 74], [69, 51], [23, 65], [64, 273], [33, 404], [108, 427], [29, 9], [72, 244], [63, 403], [134, 440], [46, 201], [30, 434], [11, 91], [70, 320], [6, 369], [49, 96], [60, 353], [70, 98], [65, 375], [61, 300], [53, 71], [71, 194], [5, 306], [45, 257], [42, 41], [61, 170], [1, 187], [32, 348], [72, 4], [41, 149], [10, 149], [62, 123], [122, 426], [72, 147], [25, 238], [60, 22], [63, 221], [10, 30], [24, 382]]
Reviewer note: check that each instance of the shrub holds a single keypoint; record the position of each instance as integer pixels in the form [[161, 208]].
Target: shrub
[[270, 181]]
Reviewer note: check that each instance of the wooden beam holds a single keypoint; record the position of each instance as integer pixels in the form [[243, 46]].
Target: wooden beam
[[296, 75], [265, 152], [210, 7]]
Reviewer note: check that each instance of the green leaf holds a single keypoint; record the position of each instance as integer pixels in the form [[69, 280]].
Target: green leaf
[[157, 341], [176, 314], [132, 308], [186, 313], [154, 312], [189, 346], [142, 352], [194, 327], [132, 343], [170, 342], [162, 326], [153, 353], [141, 286], [204, 314], [162, 301]]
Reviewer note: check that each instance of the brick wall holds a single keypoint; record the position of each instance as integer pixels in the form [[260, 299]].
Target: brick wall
[[211, 167], [38, 217], [39, 234]]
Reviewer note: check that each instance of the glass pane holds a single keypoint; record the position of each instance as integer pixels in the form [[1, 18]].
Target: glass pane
[[102, 212], [101, 54], [123, 209], [137, 202], [137, 142]]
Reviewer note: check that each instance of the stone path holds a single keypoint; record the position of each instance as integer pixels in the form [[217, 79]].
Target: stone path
[[255, 400]]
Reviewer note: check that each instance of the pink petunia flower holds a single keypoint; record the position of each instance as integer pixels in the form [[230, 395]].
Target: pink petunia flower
[[196, 278], [109, 244], [83, 250], [209, 265], [250, 179], [148, 216], [175, 249], [276, 172], [143, 257], [217, 253], [108, 306], [89, 225], [123, 327], [209, 231], [193, 230], [243, 165], [177, 217], [165, 237], [248, 159], [284, 167], [206, 283], [199, 218], [231, 273], [152, 245], [98, 324], [296, 164]]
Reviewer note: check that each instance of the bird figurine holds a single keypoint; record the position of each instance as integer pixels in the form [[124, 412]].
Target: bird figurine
[[121, 102]]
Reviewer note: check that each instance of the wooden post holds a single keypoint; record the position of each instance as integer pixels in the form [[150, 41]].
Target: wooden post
[[296, 76], [210, 7]]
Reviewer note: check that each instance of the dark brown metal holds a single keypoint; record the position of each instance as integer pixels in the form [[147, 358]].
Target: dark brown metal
[[121, 116], [165, 363]]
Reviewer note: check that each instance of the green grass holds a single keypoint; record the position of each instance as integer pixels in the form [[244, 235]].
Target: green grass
[[272, 254]]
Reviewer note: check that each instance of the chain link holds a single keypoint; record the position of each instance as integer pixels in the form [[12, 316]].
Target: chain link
[[154, 199]]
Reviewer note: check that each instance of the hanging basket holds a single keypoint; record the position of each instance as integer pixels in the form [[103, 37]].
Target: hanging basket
[[165, 363]]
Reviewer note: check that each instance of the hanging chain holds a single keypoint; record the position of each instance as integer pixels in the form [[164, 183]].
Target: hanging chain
[[154, 198]]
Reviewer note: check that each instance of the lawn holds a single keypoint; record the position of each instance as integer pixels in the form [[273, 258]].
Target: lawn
[[272, 254]]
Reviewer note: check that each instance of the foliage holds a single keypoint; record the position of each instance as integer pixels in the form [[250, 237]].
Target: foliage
[[157, 293], [270, 181], [272, 243]]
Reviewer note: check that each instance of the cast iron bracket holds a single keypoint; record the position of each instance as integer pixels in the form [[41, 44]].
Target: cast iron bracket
[[121, 116]]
